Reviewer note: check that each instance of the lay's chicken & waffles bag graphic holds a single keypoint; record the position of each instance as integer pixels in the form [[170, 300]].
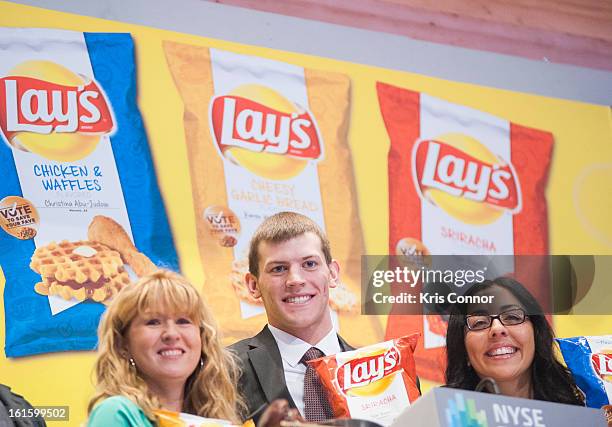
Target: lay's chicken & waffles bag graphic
[[80, 209], [265, 136], [462, 182]]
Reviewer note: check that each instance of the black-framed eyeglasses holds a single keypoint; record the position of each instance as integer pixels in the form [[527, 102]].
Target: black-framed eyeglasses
[[479, 322]]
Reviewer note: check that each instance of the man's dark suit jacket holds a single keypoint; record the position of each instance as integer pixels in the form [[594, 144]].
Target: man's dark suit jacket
[[263, 378]]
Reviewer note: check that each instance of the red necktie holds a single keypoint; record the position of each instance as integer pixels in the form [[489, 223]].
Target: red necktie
[[316, 405]]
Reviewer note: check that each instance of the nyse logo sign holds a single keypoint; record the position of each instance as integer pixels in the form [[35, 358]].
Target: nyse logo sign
[[511, 415]]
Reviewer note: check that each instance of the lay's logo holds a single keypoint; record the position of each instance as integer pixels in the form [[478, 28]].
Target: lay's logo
[[364, 371], [461, 176], [240, 122], [34, 105], [49, 110], [602, 363], [254, 122]]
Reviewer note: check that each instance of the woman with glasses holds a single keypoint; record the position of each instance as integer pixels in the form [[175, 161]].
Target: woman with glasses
[[509, 341]]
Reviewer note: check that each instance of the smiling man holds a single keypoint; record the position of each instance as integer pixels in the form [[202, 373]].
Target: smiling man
[[291, 270]]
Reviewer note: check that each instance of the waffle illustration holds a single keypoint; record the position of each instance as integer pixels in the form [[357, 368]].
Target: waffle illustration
[[80, 269], [90, 269]]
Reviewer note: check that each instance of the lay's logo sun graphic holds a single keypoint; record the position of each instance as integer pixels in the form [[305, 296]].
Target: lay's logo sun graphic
[[48, 110], [260, 130], [461, 176], [369, 375], [602, 363]]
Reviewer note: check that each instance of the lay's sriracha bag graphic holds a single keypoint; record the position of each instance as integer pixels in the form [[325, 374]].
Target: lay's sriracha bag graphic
[[263, 137], [80, 210], [590, 361], [374, 383], [461, 182]]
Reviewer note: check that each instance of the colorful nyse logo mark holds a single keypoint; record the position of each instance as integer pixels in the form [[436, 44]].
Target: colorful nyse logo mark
[[460, 413]]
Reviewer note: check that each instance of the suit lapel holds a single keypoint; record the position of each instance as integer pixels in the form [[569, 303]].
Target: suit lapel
[[344, 346], [268, 366]]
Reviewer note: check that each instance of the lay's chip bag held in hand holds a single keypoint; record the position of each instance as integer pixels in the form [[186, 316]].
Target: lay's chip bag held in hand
[[80, 211], [265, 136], [590, 361], [374, 383], [180, 419]]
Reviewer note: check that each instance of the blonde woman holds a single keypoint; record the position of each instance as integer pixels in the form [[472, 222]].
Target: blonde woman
[[159, 349]]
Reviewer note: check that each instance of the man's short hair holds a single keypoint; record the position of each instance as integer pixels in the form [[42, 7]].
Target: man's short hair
[[281, 227]]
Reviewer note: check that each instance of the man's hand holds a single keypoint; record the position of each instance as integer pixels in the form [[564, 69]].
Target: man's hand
[[278, 411]]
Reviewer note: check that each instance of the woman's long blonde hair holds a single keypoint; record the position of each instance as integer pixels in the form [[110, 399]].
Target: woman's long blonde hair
[[209, 392]]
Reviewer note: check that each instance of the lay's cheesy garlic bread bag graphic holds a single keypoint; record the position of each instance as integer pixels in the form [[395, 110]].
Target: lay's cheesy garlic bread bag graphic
[[375, 383], [462, 182], [80, 209], [263, 137]]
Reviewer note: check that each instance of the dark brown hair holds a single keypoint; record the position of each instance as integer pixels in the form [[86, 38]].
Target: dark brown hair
[[550, 380], [281, 227]]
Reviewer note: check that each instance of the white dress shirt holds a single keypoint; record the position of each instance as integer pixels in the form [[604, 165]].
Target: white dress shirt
[[292, 349]]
